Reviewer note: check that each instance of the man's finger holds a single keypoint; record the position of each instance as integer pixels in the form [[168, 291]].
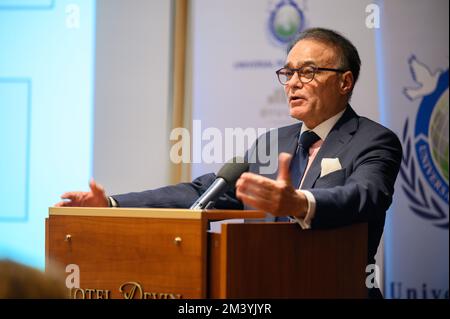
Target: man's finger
[[255, 190], [96, 188], [256, 179], [258, 203], [284, 161], [64, 204], [70, 195]]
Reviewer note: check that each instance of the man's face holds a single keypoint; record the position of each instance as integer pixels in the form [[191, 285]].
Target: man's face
[[320, 99]]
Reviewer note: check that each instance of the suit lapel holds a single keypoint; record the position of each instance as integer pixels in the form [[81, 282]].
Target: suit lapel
[[287, 143], [339, 136]]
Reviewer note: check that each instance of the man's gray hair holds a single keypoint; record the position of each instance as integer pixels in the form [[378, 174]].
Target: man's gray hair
[[349, 57]]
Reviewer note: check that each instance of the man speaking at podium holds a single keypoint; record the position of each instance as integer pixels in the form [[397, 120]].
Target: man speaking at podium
[[335, 168]]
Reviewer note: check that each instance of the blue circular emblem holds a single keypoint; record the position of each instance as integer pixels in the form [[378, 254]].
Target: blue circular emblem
[[286, 21], [431, 137]]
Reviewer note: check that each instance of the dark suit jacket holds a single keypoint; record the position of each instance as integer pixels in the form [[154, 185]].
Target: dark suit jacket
[[361, 191]]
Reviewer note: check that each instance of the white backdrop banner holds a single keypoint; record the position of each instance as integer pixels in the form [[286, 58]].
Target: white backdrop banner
[[413, 40]]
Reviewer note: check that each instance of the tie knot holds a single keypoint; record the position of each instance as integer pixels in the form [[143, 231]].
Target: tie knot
[[307, 139]]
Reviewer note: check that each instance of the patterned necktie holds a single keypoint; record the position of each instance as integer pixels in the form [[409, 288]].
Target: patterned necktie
[[300, 160]]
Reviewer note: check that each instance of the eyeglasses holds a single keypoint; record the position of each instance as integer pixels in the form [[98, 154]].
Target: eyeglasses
[[305, 74]]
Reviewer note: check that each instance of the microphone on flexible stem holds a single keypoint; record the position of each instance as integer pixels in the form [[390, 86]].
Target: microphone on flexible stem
[[226, 177]]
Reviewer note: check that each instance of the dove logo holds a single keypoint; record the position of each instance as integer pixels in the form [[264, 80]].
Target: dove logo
[[427, 145], [425, 79], [286, 20]]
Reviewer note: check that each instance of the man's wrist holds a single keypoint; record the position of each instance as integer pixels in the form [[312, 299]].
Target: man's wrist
[[303, 205], [111, 202], [306, 220]]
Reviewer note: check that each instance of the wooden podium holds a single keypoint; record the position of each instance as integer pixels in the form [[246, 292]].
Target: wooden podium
[[168, 253]]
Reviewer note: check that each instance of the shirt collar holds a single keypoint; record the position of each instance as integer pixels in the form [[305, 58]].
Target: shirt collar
[[324, 128]]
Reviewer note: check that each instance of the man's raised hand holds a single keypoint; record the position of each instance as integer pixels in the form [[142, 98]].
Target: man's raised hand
[[277, 197]]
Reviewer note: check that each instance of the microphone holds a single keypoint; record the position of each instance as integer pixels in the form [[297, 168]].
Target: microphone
[[226, 177]]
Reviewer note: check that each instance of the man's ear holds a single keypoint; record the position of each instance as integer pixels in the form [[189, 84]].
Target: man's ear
[[347, 82]]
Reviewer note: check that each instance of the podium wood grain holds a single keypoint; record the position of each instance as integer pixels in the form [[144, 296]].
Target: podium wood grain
[[278, 260], [169, 253], [115, 246]]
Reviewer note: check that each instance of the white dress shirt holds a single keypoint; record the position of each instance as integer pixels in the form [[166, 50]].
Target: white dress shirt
[[322, 130]]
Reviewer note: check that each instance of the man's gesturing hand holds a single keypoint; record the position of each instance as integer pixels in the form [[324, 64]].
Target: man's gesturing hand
[[95, 198], [276, 197]]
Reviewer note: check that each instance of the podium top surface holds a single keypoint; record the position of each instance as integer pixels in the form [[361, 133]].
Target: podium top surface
[[167, 213]]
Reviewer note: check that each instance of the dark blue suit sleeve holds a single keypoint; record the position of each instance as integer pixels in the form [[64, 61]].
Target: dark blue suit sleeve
[[182, 195]]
